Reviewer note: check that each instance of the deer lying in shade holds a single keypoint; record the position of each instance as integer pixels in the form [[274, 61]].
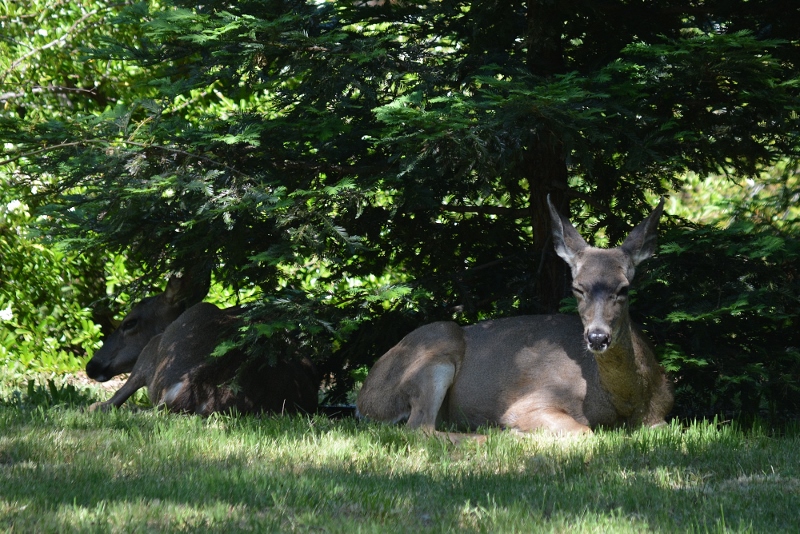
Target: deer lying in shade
[[557, 373], [167, 348]]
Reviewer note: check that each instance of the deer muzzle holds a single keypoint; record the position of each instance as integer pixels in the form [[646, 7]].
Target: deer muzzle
[[598, 340], [98, 371]]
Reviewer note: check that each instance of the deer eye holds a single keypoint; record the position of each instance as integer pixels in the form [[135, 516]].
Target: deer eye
[[130, 325]]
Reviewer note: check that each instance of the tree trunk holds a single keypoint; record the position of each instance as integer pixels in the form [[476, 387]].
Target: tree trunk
[[545, 26], [547, 174], [545, 160]]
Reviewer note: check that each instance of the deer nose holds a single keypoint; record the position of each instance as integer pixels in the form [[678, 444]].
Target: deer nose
[[598, 340], [96, 371]]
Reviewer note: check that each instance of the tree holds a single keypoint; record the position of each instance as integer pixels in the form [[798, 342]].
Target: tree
[[54, 303], [326, 152]]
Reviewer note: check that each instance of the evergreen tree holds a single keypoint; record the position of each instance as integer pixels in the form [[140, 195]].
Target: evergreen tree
[[304, 146]]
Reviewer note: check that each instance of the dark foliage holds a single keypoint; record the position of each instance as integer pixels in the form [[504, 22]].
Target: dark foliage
[[410, 147], [724, 309]]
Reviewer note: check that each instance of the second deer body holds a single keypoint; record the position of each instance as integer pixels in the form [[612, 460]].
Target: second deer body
[[165, 343], [553, 372]]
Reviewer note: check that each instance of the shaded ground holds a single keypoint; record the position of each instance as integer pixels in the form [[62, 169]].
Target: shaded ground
[[80, 379]]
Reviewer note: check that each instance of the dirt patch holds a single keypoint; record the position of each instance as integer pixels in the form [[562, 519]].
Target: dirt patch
[[80, 379]]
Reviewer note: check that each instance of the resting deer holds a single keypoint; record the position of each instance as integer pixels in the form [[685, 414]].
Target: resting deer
[[168, 350], [547, 372]]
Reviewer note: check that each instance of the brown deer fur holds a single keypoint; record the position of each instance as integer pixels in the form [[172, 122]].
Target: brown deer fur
[[557, 373], [168, 350]]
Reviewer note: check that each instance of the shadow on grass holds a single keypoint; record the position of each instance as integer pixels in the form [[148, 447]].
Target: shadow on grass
[[240, 473]]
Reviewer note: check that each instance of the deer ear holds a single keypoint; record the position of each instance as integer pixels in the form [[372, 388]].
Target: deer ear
[[190, 288], [566, 239], [641, 242], [176, 290]]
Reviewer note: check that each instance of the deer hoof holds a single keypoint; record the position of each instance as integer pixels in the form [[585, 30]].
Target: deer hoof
[[99, 407]]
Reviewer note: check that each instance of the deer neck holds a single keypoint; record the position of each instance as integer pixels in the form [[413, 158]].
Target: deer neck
[[621, 377]]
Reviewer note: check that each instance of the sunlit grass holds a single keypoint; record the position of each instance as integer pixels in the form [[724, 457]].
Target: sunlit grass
[[62, 469]]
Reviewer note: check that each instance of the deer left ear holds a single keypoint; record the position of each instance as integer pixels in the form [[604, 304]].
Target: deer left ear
[[566, 239], [641, 243]]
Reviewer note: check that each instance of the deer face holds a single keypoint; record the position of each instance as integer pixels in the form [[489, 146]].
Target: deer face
[[601, 277], [600, 286], [120, 351]]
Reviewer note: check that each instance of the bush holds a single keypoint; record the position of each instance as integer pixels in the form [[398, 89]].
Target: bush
[[723, 305], [46, 323]]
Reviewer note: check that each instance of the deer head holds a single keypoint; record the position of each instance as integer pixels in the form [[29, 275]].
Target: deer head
[[147, 319], [601, 277]]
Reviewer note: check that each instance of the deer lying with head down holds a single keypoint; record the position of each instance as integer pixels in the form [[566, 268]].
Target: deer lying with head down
[[555, 373], [165, 343]]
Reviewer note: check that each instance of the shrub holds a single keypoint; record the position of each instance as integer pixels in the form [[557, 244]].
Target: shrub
[[723, 305], [46, 323]]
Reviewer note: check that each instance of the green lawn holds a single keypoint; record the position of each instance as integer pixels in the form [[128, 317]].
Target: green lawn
[[63, 469]]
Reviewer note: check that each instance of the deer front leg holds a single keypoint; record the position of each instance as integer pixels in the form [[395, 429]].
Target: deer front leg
[[132, 385]]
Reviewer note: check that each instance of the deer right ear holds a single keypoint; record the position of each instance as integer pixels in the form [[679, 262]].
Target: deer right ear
[[176, 290], [641, 242], [566, 239], [191, 287]]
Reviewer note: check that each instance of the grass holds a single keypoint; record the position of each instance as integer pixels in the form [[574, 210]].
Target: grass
[[63, 469]]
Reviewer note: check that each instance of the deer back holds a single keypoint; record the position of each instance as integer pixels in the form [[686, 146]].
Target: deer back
[[185, 377]]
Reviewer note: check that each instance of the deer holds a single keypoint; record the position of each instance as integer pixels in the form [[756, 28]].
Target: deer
[[166, 344], [556, 373]]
